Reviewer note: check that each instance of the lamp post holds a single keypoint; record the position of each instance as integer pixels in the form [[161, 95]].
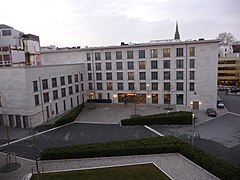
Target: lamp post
[[148, 96], [193, 123], [50, 108]]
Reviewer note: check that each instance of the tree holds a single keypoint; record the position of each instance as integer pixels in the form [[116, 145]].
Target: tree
[[226, 38]]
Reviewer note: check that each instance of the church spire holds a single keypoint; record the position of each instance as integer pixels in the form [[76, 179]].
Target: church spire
[[177, 35]]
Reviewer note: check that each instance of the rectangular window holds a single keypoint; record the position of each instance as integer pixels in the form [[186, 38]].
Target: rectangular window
[[166, 75], [109, 76], [154, 86], [179, 75], [119, 55], [89, 66], [99, 86], [5, 49], [154, 53], [119, 75], [179, 63], [82, 87], [64, 105], [62, 80], [69, 79], [97, 56], [45, 97], [98, 66], [154, 64], [109, 86], [129, 54], [166, 64], [70, 90], [191, 86], [179, 98], [45, 84], [192, 63], [54, 82], [6, 32], [77, 88], [142, 75], [119, 65], [179, 86], [166, 86], [192, 74], [90, 86], [192, 51], [6, 57], [166, 52], [142, 64], [142, 86], [179, 52], [76, 78], [108, 56], [167, 98], [98, 76], [130, 65], [36, 99], [88, 57], [63, 92], [71, 100], [55, 94], [130, 75], [131, 86], [154, 75], [35, 86], [90, 76], [141, 54], [108, 66], [120, 86]]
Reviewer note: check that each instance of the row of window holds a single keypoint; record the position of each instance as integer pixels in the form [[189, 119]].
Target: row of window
[[143, 86], [55, 94], [55, 82], [141, 65], [7, 32], [142, 54], [142, 75]]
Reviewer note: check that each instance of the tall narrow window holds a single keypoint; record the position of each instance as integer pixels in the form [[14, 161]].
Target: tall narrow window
[[45, 84], [119, 55], [191, 86], [119, 65], [154, 53], [192, 63], [89, 66], [130, 75], [154, 64], [166, 64], [119, 75], [179, 52], [108, 66], [129, 54], [192, 75], [97, 56], [69, 79], [108, 56], [109, 76], [141, 54], [54, 82], [88, 57], [130, 65], [154, 75], [109, 86], [179, 63], [166, 52], [191, 51], [35, 86], [98, 66], [142, 64]]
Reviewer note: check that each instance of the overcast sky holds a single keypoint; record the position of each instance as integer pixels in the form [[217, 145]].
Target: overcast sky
[[109, 22]]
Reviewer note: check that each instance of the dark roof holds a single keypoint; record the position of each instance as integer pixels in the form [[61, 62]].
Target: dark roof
[[3, 26], [31, 37]]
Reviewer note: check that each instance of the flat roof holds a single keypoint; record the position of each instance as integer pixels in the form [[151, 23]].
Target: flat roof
[[134, 45]]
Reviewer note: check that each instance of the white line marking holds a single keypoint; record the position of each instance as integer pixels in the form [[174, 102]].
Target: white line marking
[[49, 130], [102, 123], [234, 113], [153, 130], [198, 166], [209, 119]]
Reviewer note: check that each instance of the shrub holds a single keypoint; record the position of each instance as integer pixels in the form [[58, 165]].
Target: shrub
[[181, 117], [167, 144], [70, 116]]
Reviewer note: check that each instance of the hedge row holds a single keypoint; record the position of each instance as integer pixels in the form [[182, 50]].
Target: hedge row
[[180, 117], [167, 144], [70, 116], [100, 100]]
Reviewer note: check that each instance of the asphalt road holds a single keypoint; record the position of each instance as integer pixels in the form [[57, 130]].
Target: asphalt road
[[78, 134], [232, 102]]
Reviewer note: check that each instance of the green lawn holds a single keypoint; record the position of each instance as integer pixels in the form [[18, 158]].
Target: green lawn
[[142, 171]]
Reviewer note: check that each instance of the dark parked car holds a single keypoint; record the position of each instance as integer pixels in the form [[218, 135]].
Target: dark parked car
[[211, 112], [220, 104]]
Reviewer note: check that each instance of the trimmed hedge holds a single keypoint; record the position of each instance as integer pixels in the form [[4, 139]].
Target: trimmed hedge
[[100, 100], [181, 117], [167, 144], [70, 116]]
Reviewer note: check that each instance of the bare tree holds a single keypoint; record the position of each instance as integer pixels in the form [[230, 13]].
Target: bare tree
[[226, 38]]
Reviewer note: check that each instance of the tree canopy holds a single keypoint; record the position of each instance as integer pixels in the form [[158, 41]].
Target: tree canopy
[[226, 38]]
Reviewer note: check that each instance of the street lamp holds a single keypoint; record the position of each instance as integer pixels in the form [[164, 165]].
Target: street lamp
[[148, 96], [193, 123], [50, 108]]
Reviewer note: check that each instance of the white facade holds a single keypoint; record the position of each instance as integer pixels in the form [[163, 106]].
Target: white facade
[[24, 106], [188, 86]]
